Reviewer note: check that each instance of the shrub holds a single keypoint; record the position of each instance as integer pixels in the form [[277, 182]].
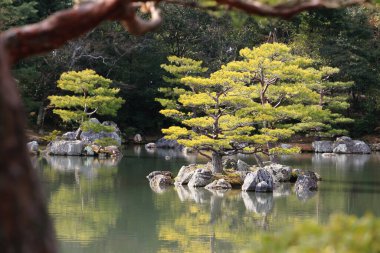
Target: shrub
[[96, 127], [342, 234], [106, 141], [52, 136]]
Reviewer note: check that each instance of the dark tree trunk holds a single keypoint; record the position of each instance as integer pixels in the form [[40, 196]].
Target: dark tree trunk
[[24, 222], [217, 166], [41, 119]]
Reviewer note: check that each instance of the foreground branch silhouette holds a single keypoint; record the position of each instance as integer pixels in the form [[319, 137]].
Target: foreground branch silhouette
[[24, 222]]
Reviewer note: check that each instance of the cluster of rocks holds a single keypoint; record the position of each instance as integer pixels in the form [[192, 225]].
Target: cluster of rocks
[[375, 147], [342, 145], [252, 178], [69, 145]]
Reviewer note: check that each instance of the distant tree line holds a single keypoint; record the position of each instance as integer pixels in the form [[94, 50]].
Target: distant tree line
[[348, 39]]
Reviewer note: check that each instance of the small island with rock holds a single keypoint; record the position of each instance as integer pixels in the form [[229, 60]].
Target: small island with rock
[[237, 174]]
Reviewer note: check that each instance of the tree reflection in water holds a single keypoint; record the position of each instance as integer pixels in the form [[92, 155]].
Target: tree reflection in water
[[82, 209]]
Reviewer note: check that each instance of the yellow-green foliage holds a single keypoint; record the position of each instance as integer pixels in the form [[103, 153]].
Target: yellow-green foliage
[[178, 68], [343, 234], [51, 136], [267, 96], [106, 141], [89, 92], [96, 127], [291, 91]]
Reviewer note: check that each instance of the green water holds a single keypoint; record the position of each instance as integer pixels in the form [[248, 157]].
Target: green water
[[108, 206]]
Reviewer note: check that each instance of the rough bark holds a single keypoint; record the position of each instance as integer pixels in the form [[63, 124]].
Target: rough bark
[[24, 222], [217, 166]]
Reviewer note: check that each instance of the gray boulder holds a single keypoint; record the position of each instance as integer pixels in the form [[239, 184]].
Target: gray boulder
[[323, 146], [285, 145], [90, 136], [343, 139], [200, 178], [62, 147], [298, 172], [185, 174], [375, 147], [112, 151], [114, 125], [32, 147], [137, 138], [242, 166], [263, 187], [87, 151], [345, 145], [69, 136], [172, 144], [160, 183], [279, 172], [220, 184], [305, 185], [155, 173], [150, 145], [254, 178]]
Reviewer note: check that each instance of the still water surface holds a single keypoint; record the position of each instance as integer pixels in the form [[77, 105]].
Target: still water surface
[[108, 206]]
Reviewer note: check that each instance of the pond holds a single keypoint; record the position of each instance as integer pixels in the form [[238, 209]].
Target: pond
[[107, 206]]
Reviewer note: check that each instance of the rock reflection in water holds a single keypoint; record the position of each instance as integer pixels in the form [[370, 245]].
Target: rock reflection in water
[[260, 203], [198, 195], [305, 195], [282, 190], [341, 161]]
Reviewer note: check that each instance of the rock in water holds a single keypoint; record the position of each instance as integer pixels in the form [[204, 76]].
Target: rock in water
[[150, 145], [375, 147], [112, 151], [344, 145], [323, 146], [137, 138], [32, 147], [87, 151], [65, 148], [220, 184], [200, 178], [305, 184], [263, 187], [185, 174], [155, 173], [160, 182], [279, 172], [254, 178]]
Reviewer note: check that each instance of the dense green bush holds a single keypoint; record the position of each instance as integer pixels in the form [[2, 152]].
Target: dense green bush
[[51, 136], [342, 234], [107, 141], [96, 127]]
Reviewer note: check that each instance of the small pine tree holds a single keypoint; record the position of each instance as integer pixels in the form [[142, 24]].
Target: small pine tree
[[90, 94], [250, 104]]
